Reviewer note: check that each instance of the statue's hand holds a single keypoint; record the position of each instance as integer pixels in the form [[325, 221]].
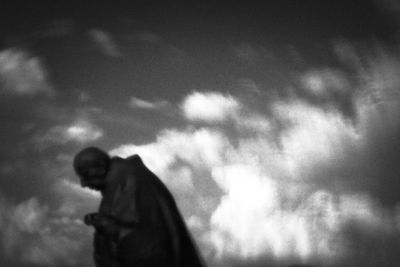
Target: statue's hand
[[104, 225]]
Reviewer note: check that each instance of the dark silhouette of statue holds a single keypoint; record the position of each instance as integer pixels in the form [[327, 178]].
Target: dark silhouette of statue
[[138, 223]]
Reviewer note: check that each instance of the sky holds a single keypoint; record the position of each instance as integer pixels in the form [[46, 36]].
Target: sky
[[275, 125]]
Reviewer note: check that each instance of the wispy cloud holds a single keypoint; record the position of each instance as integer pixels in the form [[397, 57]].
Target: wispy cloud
[[325, 83], [105, 42], [249, 85], [245, 52], [23, 74], [144, 104], [249, 54], [80, 131]]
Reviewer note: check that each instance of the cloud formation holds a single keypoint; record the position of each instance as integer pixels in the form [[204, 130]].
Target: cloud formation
[[81, 131], [75, 201], [255, 182], [325, 83], [144, 104], [295, 162], [247, 53], [285, 191], [30, 234], [209, 106], [105, 42], [23, 74]]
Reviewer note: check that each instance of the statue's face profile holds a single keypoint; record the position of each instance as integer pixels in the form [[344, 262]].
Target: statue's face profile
[[91, 165], [93, 176]]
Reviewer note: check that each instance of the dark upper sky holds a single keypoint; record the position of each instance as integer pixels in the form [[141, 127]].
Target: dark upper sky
[[274, 124]]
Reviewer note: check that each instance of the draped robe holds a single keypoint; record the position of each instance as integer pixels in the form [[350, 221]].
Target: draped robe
[[152, 232]]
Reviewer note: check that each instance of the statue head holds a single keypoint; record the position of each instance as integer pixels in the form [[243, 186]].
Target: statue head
[[91, 165]]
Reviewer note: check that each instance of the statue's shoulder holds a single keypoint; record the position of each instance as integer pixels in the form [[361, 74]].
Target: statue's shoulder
[[117, 160], [134, 159], [130, 164]]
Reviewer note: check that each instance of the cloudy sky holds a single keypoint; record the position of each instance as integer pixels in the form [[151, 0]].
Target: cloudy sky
[[275, 126]]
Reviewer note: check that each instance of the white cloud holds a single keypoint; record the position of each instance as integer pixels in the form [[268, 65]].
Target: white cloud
[[74, 188], [304, 221], [269, 201], [178, 158], [28, 235], [105, 42], [381, 82], [209, 107], [23, 74], [75, 200], [257, 176], [29, 216], [81, 131], [324, 82], [378, 99], [195, 222], [258, 184], [202, 147], [242, 210], [253, 122], [144, 104], [313, 136]]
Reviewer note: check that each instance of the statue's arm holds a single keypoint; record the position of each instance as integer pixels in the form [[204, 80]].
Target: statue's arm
[[119, 214], [125, 202], [105, 225]]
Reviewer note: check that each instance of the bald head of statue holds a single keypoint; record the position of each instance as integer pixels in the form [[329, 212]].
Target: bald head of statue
[[91, 165]]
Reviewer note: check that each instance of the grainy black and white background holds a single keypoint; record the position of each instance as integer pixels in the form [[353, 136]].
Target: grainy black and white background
[[276, 125]]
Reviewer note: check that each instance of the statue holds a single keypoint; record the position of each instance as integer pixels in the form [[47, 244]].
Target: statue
[[138, 222]]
